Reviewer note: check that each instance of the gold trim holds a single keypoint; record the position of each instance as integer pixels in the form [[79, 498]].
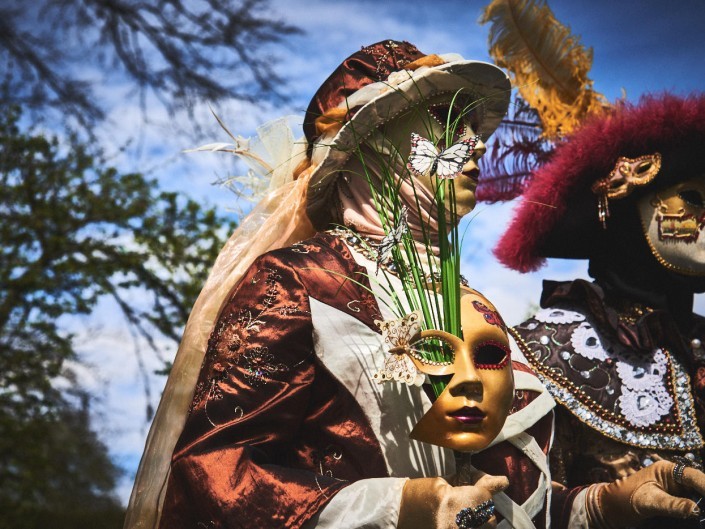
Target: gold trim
[[596, 407], [624, 174], [661, 260]]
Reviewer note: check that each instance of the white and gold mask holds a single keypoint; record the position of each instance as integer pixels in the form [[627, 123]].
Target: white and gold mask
[[673, 220]]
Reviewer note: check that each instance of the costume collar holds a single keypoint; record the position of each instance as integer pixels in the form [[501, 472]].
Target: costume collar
[[633, 324]]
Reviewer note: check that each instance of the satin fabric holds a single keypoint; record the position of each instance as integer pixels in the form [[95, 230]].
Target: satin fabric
[[272, 434], [372, 63], [268, 421], [277, 221]]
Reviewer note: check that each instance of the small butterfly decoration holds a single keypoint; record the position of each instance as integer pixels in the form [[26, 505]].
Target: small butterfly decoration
[[397, 364], [426, 159], [393, 238]]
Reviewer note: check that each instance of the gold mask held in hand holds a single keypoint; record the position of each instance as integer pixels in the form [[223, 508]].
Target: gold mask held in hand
[[472, 409]]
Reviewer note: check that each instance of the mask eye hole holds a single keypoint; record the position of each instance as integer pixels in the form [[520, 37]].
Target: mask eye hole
[[692, 197], [616, 184], [433, 349], [491, 355], [643, 167]]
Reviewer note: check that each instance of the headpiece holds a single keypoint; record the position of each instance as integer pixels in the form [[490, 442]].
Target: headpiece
[[599, 168], [378, 83]]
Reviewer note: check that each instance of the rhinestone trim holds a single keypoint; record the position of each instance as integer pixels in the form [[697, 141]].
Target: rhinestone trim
[[688, 438]]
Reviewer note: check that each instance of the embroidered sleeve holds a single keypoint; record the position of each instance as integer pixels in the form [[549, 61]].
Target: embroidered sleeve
[[238, 463]]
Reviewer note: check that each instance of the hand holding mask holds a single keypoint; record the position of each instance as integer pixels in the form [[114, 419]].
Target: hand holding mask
[[430, 503], [466, 417]]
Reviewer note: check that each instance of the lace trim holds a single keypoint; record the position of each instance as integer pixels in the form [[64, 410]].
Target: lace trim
[[586, 342], [555, 315], [684, 435], [645, 407]]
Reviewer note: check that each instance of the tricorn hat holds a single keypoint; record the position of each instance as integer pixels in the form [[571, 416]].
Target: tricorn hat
[[604, 165]]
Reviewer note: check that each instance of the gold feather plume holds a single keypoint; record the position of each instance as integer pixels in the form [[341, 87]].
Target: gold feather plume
[[547, 63]]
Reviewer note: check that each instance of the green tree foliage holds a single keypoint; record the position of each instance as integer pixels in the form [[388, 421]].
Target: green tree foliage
[[73, 231], [54, 472]]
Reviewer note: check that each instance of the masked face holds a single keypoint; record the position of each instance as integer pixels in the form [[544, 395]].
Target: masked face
[[431, 123], [472, 409], [673, 220]]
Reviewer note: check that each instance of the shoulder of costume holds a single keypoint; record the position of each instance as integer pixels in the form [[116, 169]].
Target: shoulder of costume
[[327, 270], [321, 253], [641, 399]]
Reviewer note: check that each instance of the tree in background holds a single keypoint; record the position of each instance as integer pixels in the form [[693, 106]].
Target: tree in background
[[74, 231], [71, 232], [52, 53]]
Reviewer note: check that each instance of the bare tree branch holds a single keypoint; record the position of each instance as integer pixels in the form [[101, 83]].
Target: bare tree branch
[[180, 52]]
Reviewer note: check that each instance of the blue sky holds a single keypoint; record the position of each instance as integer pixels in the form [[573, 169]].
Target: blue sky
[[639, 46]]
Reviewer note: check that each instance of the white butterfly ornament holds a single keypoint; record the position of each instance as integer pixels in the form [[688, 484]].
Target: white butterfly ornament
[[393, 238], [425, 158]]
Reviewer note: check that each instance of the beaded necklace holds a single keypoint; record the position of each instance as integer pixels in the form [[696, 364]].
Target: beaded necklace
[[368, 249]]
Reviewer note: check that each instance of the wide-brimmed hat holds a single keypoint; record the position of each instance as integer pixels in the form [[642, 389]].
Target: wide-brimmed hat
[[609, 162], [379, 83]]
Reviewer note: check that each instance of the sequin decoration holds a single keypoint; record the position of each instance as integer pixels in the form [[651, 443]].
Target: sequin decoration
[[661, 416], [396, 335], [260, 365], [305, 248], [382, 53]]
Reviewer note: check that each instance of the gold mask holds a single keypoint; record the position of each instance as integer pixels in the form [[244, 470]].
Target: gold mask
[[673, 220], [628, 174], [471, 411]]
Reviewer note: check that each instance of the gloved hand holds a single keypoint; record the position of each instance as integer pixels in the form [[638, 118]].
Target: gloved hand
[[652, 491], [433, 503]]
